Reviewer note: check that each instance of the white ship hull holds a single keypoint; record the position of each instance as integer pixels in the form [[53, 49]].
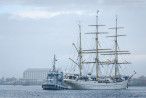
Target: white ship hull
[[86, 85]]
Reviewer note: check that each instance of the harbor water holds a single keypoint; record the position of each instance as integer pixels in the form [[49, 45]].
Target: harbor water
[[18, 91]]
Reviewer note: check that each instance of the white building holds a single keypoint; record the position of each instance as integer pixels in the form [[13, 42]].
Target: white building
[[35, 76], [35, 73]]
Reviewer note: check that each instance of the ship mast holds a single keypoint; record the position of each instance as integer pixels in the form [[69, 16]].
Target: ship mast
[[97, 44], [96, 59], [96, 50], [116, 51], [54, 63], [116, 55], [80, 52]]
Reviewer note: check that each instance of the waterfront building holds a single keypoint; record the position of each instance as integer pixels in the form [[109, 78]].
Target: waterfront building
[[35, 73], [33, 76]]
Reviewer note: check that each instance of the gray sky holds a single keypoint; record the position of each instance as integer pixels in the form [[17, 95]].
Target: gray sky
[[32, 31]]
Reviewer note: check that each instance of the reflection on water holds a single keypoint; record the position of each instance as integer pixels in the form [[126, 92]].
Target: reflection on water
[[10, 91]]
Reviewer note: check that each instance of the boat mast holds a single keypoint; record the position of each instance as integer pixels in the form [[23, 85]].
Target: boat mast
[[96, 50], [80, 52], [54, 63], [116, 55], [97, 59], [116, 51]]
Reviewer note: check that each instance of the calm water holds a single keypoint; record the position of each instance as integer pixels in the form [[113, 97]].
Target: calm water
[[9, 91]]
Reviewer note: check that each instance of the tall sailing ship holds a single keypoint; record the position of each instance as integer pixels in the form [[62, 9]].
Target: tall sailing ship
[[118, 81]]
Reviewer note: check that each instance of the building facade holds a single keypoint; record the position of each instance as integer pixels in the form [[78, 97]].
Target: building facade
[[35, 73], [35, 76]]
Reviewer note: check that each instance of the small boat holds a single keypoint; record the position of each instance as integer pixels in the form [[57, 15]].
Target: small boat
[[54, 80]]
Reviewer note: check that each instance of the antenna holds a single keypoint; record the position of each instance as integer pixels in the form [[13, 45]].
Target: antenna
[[54, 63], [97, 12]]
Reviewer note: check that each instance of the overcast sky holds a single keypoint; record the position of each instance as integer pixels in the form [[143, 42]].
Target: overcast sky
[[32, 31]]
